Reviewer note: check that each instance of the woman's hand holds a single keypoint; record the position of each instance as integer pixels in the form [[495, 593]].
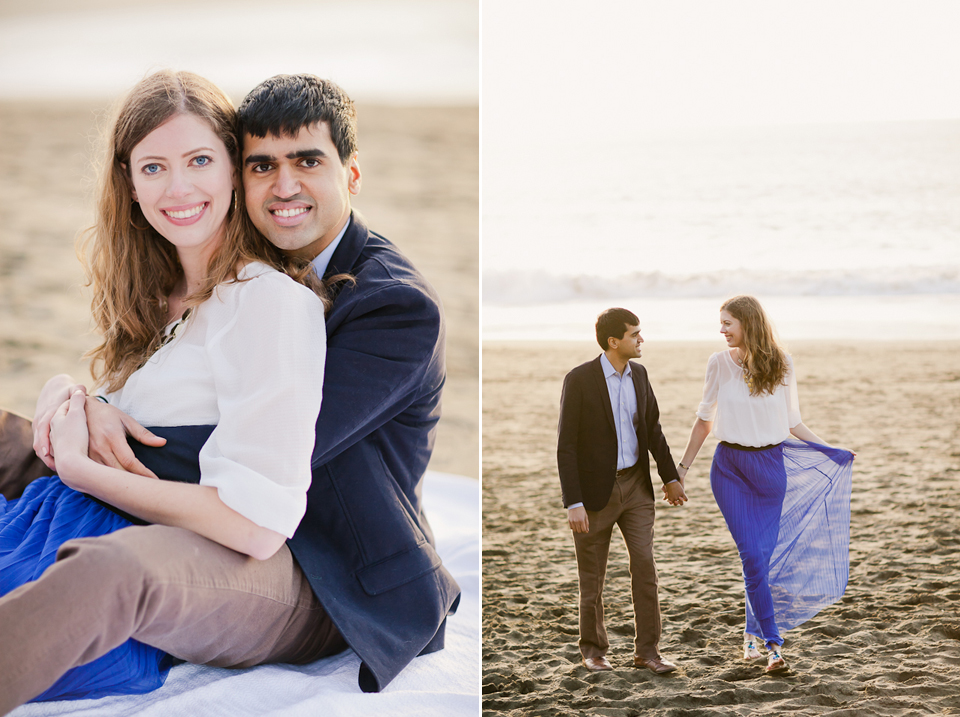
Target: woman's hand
[[68, 435], [54, 394], [674, 494], [682, 472]]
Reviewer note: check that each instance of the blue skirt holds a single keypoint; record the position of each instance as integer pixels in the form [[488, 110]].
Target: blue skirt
[[788, 509], [32, 529]]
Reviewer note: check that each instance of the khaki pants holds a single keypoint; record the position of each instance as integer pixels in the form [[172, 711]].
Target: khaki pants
[[166, 587], [631, 506]]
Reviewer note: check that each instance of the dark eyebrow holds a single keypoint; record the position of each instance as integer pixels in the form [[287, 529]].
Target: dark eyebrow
[[257, 159], [299, 154], [303, 153]]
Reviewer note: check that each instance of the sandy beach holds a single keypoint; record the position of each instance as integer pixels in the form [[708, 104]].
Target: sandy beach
[[891, 646], [420, 189]]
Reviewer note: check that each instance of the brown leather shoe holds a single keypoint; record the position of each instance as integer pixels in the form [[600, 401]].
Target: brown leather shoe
[[597, 664], [658, 665]]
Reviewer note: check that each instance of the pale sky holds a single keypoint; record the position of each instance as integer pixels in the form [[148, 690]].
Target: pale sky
[[386, 51], [608, 68]]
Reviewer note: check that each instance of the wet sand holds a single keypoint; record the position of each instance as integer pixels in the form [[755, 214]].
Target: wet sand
[[420, 189], [891, 646]]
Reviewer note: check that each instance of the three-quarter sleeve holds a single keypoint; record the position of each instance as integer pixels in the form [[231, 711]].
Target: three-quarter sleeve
[[793, 397], [267, 365], [707, 410]]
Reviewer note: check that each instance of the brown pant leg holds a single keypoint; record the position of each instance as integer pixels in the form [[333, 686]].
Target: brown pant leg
[[166, 587], [592, 551], [636, 526], [18, 463]]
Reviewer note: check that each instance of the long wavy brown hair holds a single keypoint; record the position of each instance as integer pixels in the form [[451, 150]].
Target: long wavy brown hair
[[765, 360], [130, 266]]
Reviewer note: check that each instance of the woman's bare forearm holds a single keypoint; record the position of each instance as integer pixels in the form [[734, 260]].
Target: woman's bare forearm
[[698, 434], [183, 505], [805, 434]]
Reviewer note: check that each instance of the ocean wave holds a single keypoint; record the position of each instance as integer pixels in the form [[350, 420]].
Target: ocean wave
[[539, 287]]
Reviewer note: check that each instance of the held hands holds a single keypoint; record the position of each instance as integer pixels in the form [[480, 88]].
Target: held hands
[[54, 395], [674, 494], [68, 433], [108, 428]]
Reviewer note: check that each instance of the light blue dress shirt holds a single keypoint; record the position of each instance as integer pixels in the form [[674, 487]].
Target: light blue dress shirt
[[623, 401], [322, 261]]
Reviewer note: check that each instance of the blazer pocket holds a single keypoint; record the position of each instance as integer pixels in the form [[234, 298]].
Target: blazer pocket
[[398, 569]]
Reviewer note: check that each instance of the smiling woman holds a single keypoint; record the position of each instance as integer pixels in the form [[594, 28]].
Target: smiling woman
[[195, 316], [183, 180], [786, 502]]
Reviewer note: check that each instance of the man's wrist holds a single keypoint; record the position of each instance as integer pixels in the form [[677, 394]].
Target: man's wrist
[[574, 506]]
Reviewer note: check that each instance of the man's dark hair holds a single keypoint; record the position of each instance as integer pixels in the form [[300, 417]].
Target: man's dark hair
[[285, 104], [613, 323]]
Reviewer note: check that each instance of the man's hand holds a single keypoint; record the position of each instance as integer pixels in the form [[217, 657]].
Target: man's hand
[[54, 394], [577, 517], [109, 428], [673, 493]]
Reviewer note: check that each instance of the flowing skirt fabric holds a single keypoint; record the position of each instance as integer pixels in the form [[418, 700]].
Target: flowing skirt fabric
[[788, 509], [32, 529]]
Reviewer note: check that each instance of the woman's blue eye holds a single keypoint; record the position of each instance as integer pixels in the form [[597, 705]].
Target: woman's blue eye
[[202, 161], [151, 168]]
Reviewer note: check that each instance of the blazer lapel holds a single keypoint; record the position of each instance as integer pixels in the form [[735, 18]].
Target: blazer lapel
[[353, 242], [604, 392]]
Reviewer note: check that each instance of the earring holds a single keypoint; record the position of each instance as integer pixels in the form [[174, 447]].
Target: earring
[[134, 224]]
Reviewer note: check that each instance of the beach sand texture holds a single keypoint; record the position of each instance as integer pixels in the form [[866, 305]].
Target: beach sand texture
[[420, 190], [891, 646]]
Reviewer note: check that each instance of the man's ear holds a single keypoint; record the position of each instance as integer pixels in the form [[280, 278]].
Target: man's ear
[[353, 172]]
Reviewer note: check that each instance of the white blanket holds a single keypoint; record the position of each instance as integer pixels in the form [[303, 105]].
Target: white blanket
[[445, 683]]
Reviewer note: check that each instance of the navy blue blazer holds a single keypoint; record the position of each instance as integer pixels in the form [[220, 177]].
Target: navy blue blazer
[[364, 544], [587, 436]]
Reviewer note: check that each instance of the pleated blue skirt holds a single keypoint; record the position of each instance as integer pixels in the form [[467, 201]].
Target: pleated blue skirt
[[788, 509], [32, 529]]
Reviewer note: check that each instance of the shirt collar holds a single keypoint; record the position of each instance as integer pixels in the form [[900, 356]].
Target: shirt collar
[[609, 370], [322, 261]]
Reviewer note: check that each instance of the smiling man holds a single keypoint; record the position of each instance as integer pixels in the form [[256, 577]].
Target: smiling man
[[609, 424], [364, 545], [298, 185], [361, 570]]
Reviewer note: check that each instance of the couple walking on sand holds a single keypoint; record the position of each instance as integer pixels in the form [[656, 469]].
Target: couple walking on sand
[[786, 502]]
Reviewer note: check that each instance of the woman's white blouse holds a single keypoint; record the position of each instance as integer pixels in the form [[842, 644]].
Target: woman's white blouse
[[250, 361], [741, 418]]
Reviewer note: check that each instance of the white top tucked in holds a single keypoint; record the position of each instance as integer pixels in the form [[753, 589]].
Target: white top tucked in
[[741, 418], [250, 361]]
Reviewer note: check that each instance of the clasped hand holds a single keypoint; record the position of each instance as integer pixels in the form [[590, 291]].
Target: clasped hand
[[673, 493], [107, 428], [68, 437]]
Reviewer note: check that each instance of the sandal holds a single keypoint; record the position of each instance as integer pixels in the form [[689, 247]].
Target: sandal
[[775, 661], [750, 651]]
